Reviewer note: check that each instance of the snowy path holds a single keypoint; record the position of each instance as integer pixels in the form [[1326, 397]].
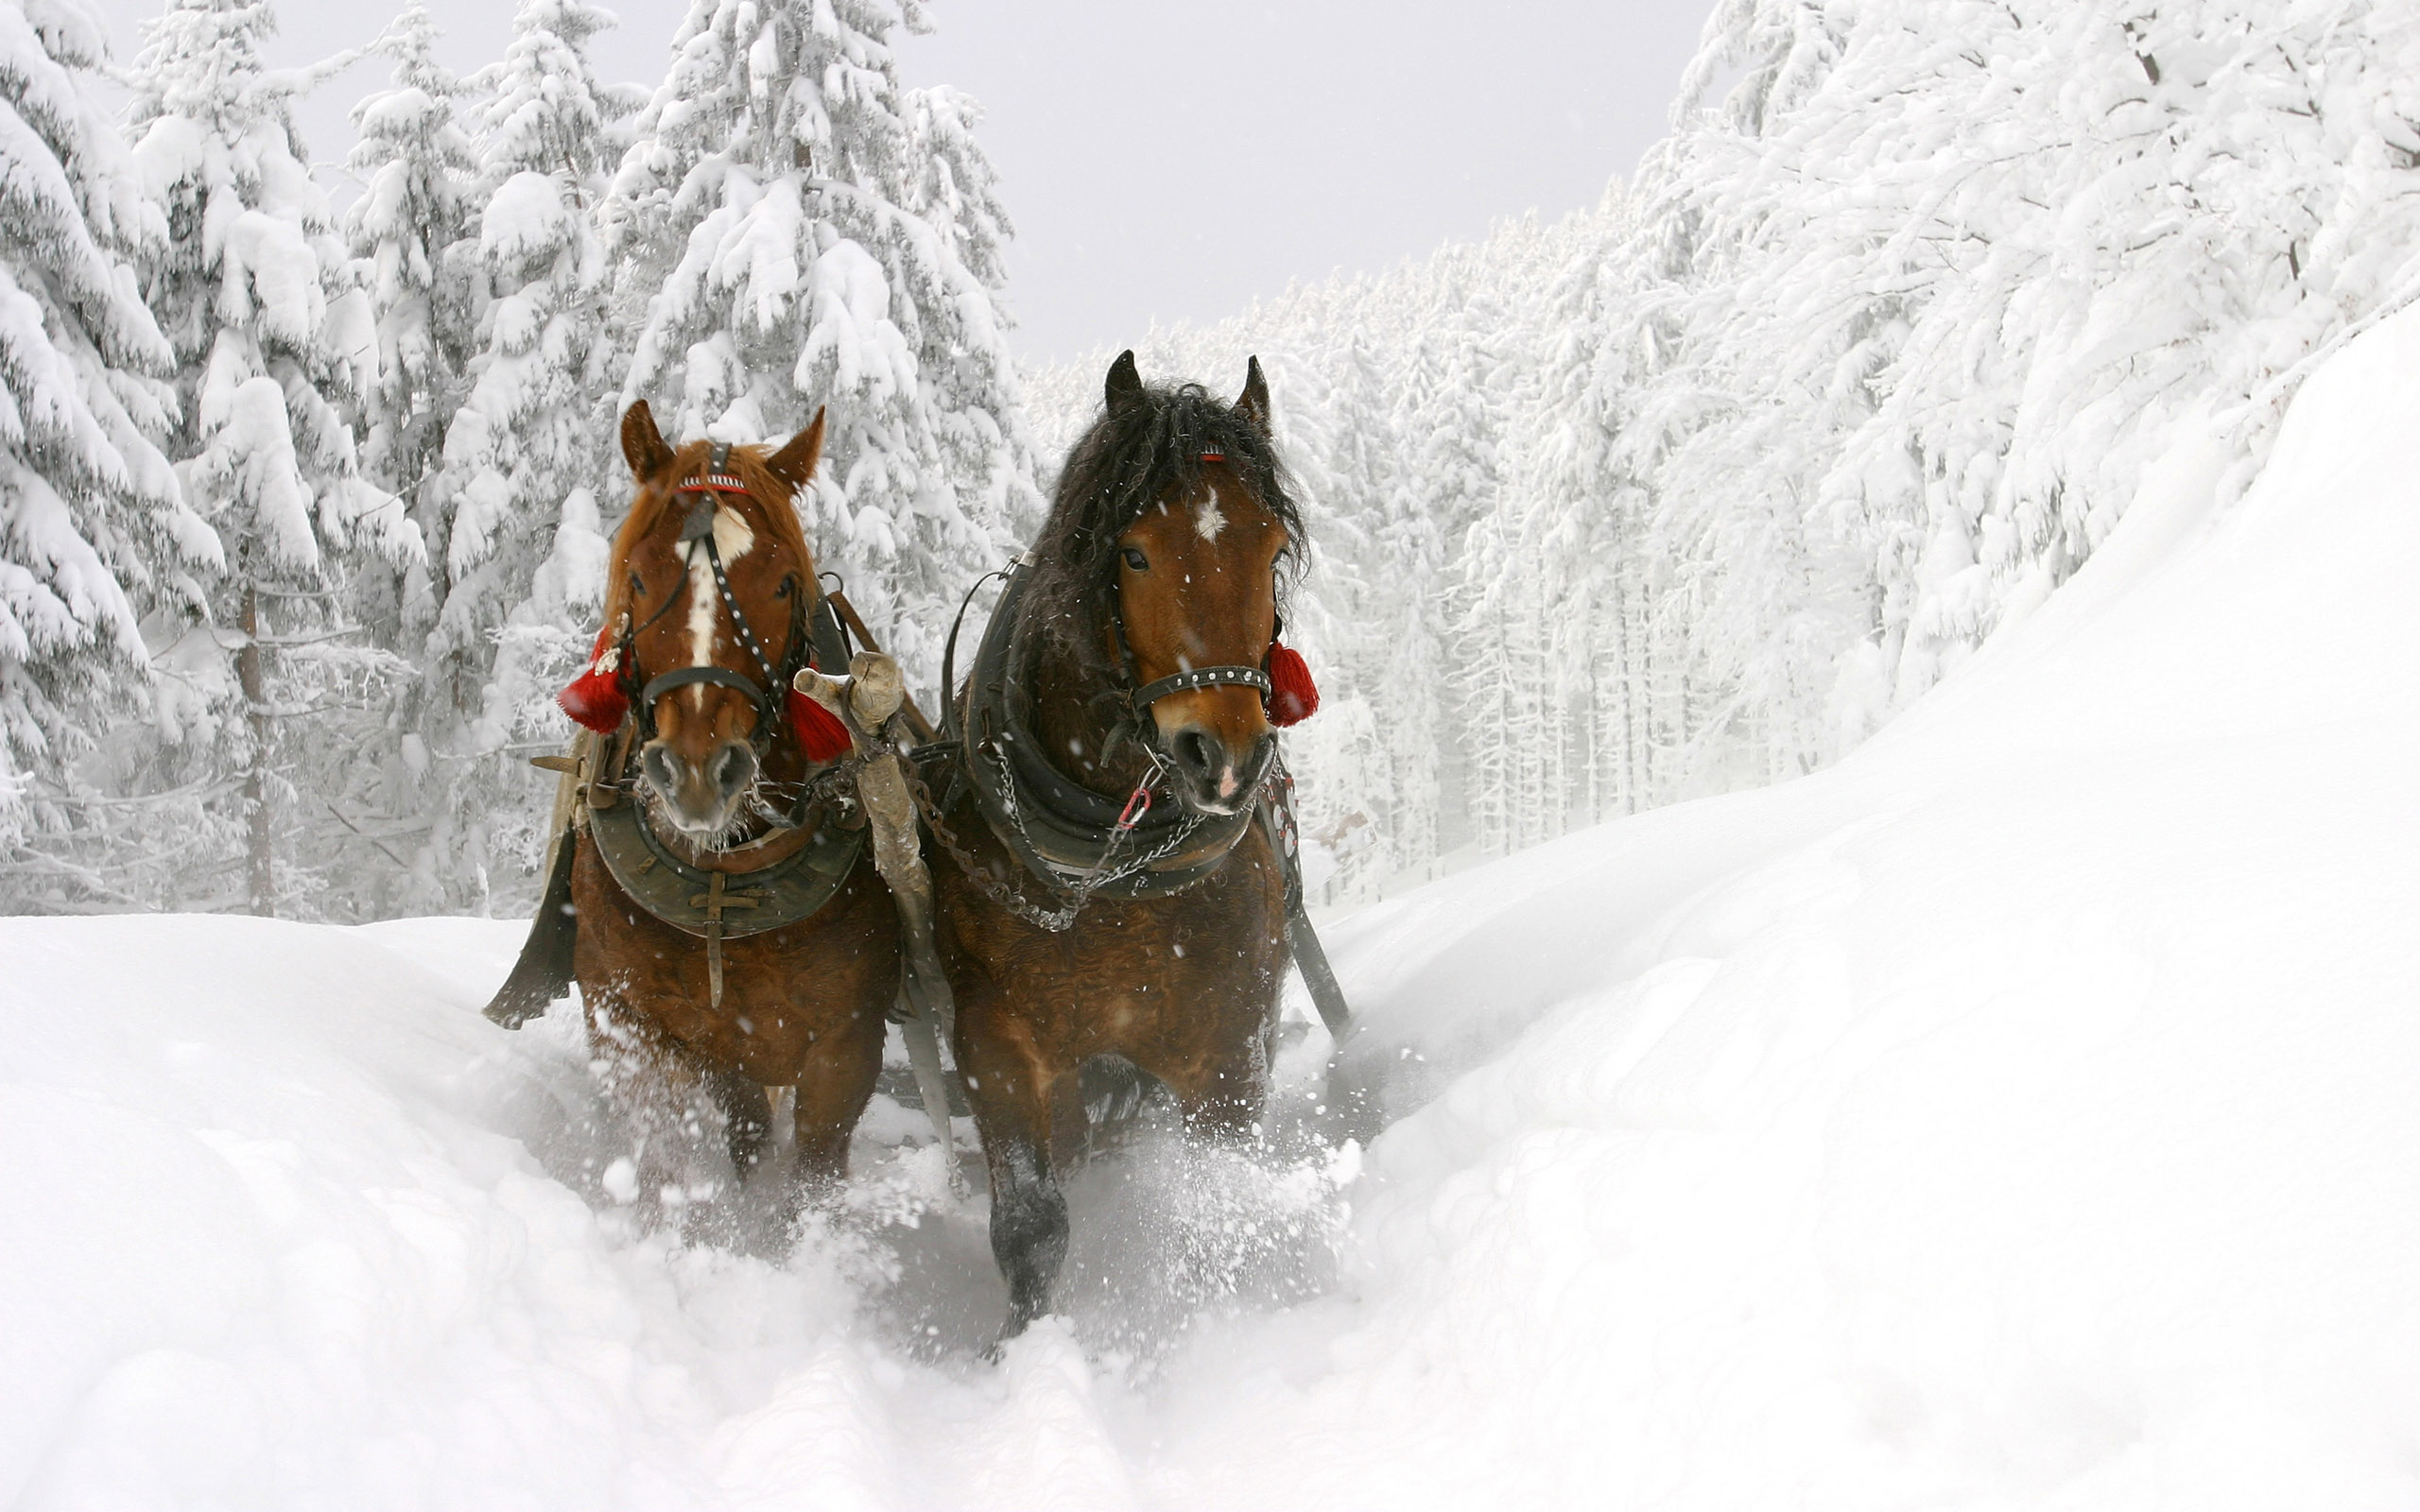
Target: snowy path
[[2024, 1113]]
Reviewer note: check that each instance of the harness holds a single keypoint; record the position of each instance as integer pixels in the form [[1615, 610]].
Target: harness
[[786, 876], [1080, 844]]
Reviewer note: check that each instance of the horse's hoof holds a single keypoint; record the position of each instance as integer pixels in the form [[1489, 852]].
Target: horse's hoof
[[1009, 1329]]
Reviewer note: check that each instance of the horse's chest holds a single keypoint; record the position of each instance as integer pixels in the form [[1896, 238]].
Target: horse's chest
[[1203, 964], [784, 991]]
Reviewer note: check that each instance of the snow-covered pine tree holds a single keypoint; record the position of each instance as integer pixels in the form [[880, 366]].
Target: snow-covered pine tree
[[1379, 577], [526, 458], [1871, 357], [410, 232], [795, 230], [275, 706], [91, 524]]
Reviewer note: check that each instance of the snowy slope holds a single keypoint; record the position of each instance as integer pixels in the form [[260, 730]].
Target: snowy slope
[[2021, 1113]]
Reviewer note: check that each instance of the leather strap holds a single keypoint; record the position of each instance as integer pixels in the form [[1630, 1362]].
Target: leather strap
[[683, 677], [1151, 693]]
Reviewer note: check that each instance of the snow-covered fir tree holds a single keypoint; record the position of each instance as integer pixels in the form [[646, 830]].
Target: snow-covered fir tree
[[272, 707], [1688, 492], [794, 230], [411, 233], [93, 526], [523, 557]]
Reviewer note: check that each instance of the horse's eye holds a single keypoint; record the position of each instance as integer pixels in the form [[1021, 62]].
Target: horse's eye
[[1135, 560]]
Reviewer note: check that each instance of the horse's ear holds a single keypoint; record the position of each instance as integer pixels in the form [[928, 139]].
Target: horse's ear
[[1125, 388], [794, 464], [642, 444], [1252, 404]]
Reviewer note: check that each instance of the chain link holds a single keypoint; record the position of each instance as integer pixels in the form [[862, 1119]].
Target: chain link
[[1076, 895]]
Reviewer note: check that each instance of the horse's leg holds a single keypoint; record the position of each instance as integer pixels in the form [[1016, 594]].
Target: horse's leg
[[831, 1094], [1010, 1091], [748, 1117], [1224, 1100], [656, 1084]]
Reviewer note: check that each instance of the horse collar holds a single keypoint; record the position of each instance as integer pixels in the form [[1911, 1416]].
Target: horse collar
[[795, 879], [1060, 830]]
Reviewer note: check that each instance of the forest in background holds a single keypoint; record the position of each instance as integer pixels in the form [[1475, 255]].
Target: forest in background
[[302, 515], [306, 515], [1695, 491]]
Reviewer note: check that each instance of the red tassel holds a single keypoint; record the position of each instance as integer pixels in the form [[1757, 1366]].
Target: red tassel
[[821, 734], [596, 698], [1292, 695]]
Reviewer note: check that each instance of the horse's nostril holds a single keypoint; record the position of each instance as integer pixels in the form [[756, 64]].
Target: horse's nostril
[[733, 768], [658, 762], [1198, 752]]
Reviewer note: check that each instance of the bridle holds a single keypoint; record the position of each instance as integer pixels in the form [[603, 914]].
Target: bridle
[[1137, 714], [697, 533], [1135, 698], [1138, 700]]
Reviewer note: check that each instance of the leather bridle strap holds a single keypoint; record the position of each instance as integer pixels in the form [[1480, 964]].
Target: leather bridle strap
[[1139, 700], [1150, 692], [683, 677]]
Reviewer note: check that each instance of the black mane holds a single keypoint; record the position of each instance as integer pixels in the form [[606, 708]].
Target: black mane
[[1141, 451]]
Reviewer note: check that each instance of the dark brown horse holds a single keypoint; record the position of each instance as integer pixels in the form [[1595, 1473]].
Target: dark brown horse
[[1123, 677], [698, 827]]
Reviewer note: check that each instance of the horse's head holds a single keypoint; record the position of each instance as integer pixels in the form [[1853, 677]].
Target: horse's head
[[1197, 587], [710, 703]]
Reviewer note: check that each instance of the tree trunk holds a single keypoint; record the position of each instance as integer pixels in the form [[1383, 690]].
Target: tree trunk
[[247, 671]]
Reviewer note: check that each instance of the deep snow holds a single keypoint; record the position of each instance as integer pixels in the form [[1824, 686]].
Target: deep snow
[[2020, 1113]]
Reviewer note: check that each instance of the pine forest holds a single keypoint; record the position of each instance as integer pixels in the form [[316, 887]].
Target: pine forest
[[303, 508]]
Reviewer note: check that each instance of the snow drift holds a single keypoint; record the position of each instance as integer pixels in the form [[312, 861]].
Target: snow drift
[[2020, 1113]]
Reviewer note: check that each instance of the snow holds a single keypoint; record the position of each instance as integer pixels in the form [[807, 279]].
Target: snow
[[2016, 1113], [526, 216]]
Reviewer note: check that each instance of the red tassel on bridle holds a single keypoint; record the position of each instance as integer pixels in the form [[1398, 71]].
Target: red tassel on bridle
[[597, 697], [1292, 695], [821, 734]]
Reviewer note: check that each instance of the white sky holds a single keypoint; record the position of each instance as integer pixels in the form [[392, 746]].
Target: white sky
[[1170, 160]]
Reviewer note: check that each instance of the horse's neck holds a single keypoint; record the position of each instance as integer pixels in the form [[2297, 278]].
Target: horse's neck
[[1075, 713]]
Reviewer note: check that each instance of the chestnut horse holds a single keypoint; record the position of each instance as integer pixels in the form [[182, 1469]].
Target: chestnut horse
[[699, 824], [1120, 890]]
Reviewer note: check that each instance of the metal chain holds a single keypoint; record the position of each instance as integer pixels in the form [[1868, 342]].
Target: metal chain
[[985, 883], [1078, 895]]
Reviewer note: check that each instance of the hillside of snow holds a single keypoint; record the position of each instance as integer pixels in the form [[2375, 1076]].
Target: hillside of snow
[[2020, 1113]]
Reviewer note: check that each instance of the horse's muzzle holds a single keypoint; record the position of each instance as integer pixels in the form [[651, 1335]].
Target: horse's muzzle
[[1209, 776], [701, 799]]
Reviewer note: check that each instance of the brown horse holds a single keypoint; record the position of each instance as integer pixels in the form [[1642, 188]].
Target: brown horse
[[701, 825], [1119, 892]]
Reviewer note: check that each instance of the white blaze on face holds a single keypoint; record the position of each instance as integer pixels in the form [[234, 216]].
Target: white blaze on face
[[732, 541], [1208, 520], [731, 536]]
